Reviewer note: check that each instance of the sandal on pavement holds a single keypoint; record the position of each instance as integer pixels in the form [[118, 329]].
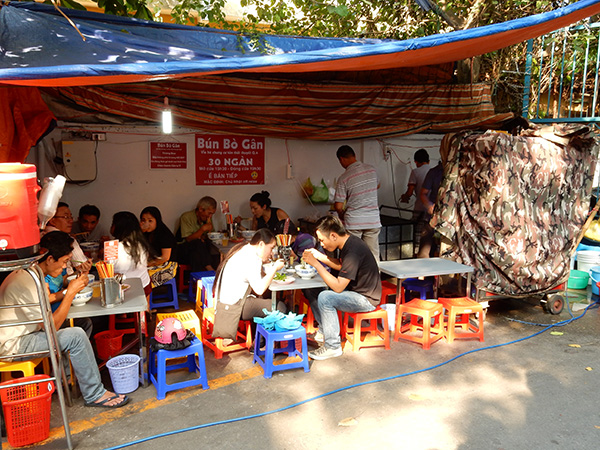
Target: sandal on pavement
[[103, 404]]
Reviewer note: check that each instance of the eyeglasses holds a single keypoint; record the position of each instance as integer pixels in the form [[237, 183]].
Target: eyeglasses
[[64, 217]]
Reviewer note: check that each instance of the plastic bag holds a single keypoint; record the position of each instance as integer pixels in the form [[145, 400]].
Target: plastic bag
[[321, 193], [308, 187], [593, 232]]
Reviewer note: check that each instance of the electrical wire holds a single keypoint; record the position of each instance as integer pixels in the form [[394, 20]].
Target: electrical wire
[[352, 386], [396, 202]]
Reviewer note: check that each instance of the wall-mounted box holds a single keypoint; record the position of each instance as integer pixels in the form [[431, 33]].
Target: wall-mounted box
[[79, 158]]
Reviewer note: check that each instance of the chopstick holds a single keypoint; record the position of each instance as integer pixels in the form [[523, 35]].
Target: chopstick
[[105, 270], [283, 240]]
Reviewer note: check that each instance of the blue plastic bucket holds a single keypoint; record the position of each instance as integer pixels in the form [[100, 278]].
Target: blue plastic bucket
[[595, 276]]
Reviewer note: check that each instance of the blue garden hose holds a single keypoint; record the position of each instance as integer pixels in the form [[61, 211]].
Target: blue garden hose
[[364, 383]]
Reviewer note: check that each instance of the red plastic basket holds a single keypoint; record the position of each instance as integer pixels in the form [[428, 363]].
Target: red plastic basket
[[27, 409], [108, 343]]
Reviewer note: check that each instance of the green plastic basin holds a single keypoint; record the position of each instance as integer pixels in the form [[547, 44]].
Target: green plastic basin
[[578, 279]]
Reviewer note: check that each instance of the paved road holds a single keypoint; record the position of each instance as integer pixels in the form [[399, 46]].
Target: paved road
[[537, 393]]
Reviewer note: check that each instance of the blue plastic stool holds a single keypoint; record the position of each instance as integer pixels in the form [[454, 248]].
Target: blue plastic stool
[[194, 278], [170, 299], [207, 288], [423, 287], [269, 352], [158, 368]]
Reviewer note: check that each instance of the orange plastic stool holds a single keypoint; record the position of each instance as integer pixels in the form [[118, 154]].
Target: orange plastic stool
[[425, 310], [373, 337], [243, 341], [27, 367], [188, 319], [458, 312]]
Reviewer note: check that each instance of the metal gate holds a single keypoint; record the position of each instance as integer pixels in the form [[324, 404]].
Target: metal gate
[[561, 78]]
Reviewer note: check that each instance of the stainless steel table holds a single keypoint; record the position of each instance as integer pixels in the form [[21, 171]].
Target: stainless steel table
[[134, 301], [423, 267], [299, 283]]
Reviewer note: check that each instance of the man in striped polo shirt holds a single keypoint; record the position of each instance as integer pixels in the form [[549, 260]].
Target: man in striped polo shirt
[[357, 188]]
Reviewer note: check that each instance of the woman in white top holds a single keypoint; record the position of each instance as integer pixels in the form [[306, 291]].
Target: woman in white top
[[133, 248], [243, 268]]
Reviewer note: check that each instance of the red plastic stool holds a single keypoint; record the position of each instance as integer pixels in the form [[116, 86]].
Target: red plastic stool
[[373, 337], [426, 311], [182, 271], [458, 312], [388, 289], [243, 339], [309, 318], [123, 319]]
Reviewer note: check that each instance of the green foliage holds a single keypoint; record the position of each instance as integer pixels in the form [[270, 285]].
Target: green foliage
[[127, 8], [191, 11], [71, 4]]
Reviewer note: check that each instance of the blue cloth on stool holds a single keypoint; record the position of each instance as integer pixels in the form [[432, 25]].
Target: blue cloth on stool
[[276, 320]]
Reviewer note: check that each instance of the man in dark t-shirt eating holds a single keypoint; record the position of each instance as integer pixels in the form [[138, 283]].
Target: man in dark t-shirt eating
[[357, 288]]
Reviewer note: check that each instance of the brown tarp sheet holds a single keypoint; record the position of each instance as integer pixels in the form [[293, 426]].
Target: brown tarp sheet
[[292, 109], [514, 206]]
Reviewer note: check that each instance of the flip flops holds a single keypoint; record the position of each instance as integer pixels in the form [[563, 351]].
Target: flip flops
[[103, 403]]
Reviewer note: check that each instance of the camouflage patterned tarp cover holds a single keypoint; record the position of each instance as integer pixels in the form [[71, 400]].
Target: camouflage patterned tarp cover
[[514, 206]]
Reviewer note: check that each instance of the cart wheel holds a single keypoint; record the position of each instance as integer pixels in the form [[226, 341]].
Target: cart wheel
[[554, 304]]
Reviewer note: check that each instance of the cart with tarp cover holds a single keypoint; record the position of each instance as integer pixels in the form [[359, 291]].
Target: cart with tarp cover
[[514, 207]]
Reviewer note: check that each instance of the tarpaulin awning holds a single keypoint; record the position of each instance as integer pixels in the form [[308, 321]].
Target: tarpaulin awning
[[40, 48], [24, 119], [295, 110], [275, 86]]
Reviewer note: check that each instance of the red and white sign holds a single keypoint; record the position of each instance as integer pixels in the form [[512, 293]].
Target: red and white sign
[[229, 159], [111, 251], [168, 155]]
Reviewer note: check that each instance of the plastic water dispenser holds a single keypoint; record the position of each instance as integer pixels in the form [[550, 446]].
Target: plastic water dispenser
[[19, 232]]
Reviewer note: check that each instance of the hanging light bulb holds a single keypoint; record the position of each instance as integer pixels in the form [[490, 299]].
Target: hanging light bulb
[[167, 119]]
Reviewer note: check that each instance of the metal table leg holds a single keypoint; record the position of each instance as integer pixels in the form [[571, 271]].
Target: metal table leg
[[143, 350]]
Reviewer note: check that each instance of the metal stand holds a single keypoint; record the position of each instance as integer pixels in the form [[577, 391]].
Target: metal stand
[[53, 348]]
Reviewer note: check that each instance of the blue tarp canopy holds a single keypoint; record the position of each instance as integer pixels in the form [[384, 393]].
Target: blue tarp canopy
[[38, 47]]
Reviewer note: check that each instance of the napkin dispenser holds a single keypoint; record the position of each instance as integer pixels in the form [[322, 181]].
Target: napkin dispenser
[[111, 292]]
